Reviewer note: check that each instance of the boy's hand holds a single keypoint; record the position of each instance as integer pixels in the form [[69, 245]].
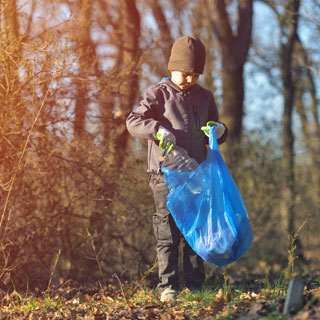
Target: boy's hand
[[219, 129], [167, 139]]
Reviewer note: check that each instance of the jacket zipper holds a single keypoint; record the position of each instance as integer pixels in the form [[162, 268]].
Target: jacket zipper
[[196, 116]]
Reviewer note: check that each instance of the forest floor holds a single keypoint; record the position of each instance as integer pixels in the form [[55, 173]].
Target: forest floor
[[136, 300]]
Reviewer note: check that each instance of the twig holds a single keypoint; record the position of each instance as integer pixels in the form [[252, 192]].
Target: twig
[[96, 255], [155, 265], [291, 252], [5, 269], [54, 268], [121, 287]]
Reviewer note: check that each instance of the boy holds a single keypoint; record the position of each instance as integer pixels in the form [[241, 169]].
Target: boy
[[174, 110]]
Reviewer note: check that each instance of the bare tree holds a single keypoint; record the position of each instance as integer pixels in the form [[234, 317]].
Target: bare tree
[[164, 28], [87, 57], [307, 109], [233, 46], [288, 28], [13, 113]]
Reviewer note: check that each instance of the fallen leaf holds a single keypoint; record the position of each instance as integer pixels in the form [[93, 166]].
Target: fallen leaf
[[255, 308], [217, 306], [227, 296], [302, 315], [166, 316], [219, 294]]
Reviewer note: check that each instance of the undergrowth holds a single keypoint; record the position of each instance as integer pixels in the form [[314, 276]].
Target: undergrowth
[[137, 300]]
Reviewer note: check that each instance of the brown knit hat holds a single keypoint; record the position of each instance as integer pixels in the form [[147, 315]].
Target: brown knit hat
[[188, 54]]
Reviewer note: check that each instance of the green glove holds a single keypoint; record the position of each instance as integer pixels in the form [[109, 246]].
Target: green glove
[[219, 129], [167, 139]]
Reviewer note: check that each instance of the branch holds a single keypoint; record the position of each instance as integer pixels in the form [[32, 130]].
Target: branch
[[163, 26], [220, 23], [243, 39]]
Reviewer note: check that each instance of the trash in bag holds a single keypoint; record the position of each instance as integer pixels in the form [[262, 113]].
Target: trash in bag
[[179, 160], [208, 208]]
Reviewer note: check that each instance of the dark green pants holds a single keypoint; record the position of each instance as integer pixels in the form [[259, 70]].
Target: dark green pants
[[168, 239]]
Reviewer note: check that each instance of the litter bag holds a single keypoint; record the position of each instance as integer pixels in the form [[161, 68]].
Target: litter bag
[[208, 209]]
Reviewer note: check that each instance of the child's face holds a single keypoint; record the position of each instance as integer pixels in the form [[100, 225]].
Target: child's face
[[184, 80]]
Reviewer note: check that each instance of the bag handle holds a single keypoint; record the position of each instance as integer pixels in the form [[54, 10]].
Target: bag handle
[[161, 160]]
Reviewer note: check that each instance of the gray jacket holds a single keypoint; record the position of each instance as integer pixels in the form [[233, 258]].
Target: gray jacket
[[183, 112]]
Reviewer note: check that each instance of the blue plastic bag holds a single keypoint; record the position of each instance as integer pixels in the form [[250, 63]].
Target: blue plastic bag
[[208, 209]]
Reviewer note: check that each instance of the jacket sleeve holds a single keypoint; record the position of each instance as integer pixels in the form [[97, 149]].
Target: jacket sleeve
[[142, 122], [223, 138]]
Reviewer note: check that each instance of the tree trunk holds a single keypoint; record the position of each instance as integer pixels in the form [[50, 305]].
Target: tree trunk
[[11, 21], [233, 48], [304, 82], [166, 39], [289, 33], [85, 52], [128, 89]]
